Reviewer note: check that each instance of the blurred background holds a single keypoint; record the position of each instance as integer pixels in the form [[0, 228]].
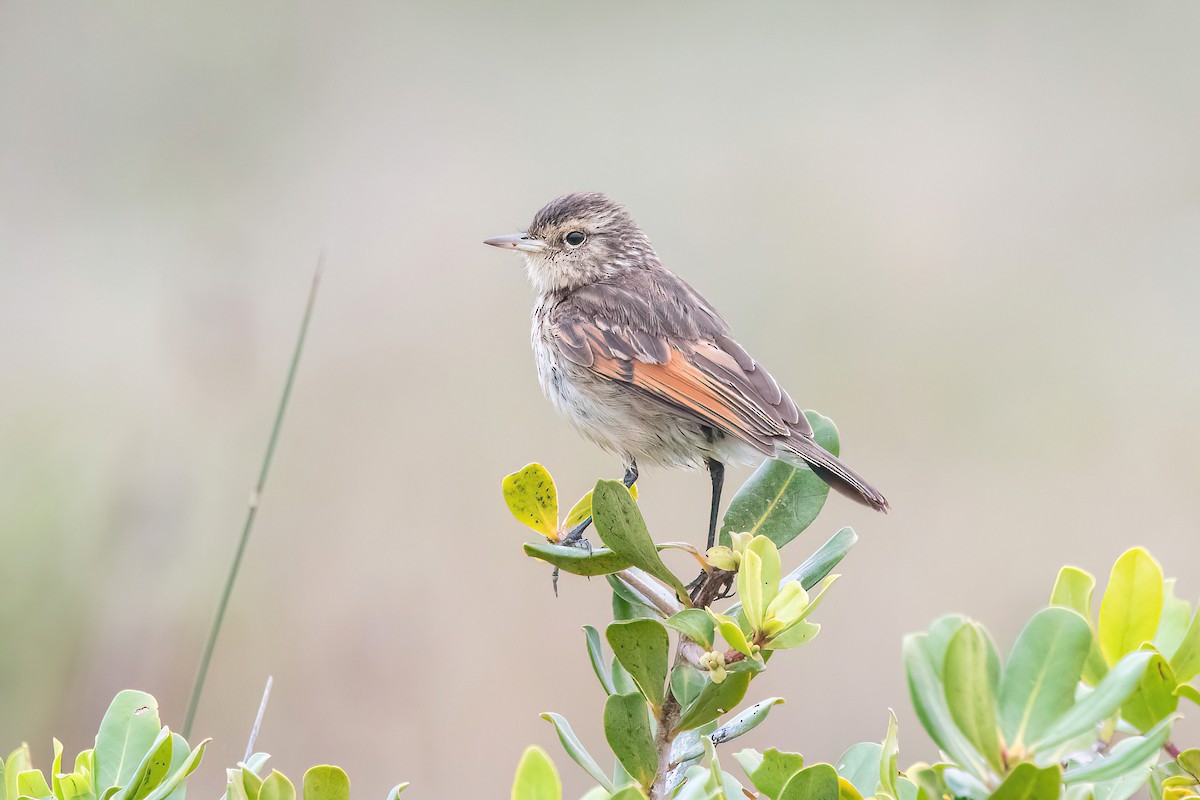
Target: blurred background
[[967, 231]]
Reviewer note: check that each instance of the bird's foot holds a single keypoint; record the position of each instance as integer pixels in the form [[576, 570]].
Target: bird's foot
[[577, 541], [576, 533]]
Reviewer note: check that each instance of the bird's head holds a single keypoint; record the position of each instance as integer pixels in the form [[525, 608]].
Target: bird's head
[[579, 239]]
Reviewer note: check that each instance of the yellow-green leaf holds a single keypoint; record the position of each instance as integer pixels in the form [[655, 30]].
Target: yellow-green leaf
[[533, 499], [1132, 604], [536, 777], [583, 508]]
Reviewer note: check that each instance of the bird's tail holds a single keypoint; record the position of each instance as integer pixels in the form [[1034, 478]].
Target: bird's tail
[[801, 449]]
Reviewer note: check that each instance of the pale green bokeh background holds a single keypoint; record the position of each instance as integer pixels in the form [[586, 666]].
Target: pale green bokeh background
[[967, 231]]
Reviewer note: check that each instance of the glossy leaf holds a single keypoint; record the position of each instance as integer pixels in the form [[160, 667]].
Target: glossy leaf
[[277, 787], [1038, 684], [180, 774], [1185, 662], [686, 683], [583, 509], [1027, 782], [129, 728], [822, 562], [32, 783], [1132, 604], [929, 701], [889, 756], [18, 761], [1101, 703], [641, 647], [695, 624], [533, 499], [732, 634], [596, 656], [621, 527], [1073, 589], [780, 500], [326, 782], [937, 640], [577, 560], [714, 700], [860, 765], [152, 770], [536, 778], [396, 790], [627, 729], [818, 782], [576, 750], [846, 790], [1173, 623], [626, 604], [769, 771], [802, 632], [1126, 755], [745, 722], [971, 693], [1154, 698]]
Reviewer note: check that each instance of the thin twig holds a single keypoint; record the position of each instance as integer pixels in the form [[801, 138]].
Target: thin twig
[[258, 718], [252, 509]]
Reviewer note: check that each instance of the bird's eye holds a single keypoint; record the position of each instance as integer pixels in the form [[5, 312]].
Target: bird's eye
[[574, 238]]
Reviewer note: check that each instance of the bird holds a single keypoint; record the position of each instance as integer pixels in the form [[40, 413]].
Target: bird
[[638, 362]]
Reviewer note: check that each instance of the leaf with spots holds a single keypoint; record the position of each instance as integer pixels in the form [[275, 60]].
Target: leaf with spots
[[532, 498]]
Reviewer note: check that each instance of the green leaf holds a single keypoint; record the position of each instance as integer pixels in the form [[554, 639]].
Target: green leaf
[[626, 605], [769, 771], [277, 787], [32, 783], [714, 700], [822, 562], [596, 656], [577, 560], [1027, 782], [179, 775], [695, 624], [1039, 680], [780, 500], [750, 588], [180, 752], [396, 790], [686, 683], [536, 778], [641, 647], [583, 509], [1188, 692], [1174, 621], [860, 765], [732, 634], [128, 729], [621, 527], [970, 691], [1154, 698], [576, 750], [1073, 590], [889, 757], [251, 783], [533, 499], [818, 782], [941, 631], [18, 761], [794, 636], [629, 793], [1126, 755], [770, 567], [627, 729], [1099, 704], [327, 782], [744, 722], [1132, 604], [1185, 662], [929, 701], [151, 770]]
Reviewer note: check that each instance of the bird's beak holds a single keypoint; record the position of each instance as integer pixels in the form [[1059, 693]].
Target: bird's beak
[[517, 241]]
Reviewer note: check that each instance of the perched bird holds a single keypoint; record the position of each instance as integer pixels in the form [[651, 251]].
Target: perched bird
[[641, 364]]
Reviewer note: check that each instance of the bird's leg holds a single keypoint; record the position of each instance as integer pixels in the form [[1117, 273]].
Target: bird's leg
[[576, 533], [716, 471]]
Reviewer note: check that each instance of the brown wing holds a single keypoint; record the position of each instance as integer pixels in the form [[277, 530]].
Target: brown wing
[[658, 340]]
